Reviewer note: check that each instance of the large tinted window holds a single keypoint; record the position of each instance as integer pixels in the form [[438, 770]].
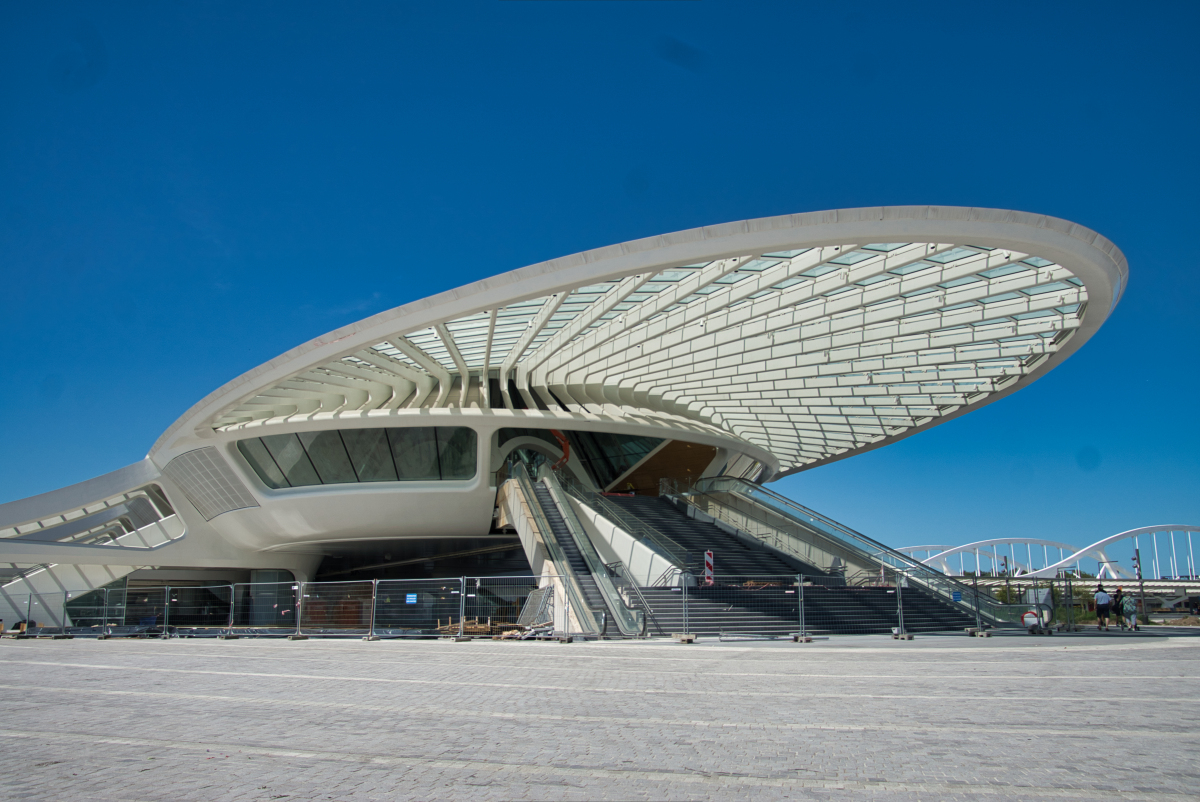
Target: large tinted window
[[456, 452], [607, 456], [371, 454], [362, 455], [415, 453]]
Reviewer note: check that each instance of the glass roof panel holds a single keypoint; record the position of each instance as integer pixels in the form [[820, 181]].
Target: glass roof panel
[[1002, 270], [952, 255], [886, 247], [672, 275], [913, 267], [1051, 287], [852, 258], [1037, 261], [1004, 296], [759, 265], [787, 254], [873, 280], [820, 270]]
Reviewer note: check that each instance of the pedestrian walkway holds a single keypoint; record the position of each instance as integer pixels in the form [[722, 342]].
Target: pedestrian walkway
[[940, 717]]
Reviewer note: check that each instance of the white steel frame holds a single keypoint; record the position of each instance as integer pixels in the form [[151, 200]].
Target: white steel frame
[[807, 337]]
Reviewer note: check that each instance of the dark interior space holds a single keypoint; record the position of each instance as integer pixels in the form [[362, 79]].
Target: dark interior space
[[422, 559]]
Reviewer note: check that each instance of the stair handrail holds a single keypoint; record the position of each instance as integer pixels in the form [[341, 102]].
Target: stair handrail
[[575, 596], [628, 620], [769, 534], [666, 546], [625, 579], [887, 557]]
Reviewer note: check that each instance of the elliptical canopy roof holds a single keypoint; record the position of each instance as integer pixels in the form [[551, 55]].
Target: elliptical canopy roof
[[811, 336]]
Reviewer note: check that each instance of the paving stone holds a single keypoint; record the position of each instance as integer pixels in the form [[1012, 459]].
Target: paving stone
[[1016, 717]]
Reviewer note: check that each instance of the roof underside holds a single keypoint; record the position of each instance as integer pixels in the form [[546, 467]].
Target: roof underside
[[806, 353]]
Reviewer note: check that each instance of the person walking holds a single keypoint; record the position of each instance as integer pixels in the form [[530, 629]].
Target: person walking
[[1117, 610], [1129, 610], [1103, 600]]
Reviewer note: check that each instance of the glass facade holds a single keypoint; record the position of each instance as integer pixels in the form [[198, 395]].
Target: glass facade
[[605, 456], [335, 456]]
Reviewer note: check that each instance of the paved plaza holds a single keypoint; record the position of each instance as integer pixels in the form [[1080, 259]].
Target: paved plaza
[[1013, 717]]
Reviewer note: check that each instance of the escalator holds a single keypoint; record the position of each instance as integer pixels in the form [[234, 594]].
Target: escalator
[[561, 552], [561, 532]]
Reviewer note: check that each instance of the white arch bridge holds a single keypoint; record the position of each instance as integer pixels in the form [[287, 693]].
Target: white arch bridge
[[1166, 552]]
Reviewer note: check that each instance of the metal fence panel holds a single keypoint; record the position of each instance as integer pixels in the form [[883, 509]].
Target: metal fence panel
[[494, 604], [409, 608], [738, 607], [336, 608], [832, 607], [86, 612], [136, 612], [199, 611], [264, 608]]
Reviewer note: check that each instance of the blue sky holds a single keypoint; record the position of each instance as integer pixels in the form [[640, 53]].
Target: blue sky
[[187, 190]]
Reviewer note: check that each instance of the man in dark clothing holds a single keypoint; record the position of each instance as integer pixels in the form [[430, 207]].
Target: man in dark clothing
[[1115, 607]]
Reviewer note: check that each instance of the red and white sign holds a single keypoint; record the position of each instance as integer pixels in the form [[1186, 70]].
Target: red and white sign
[[708, 568], [1030, 619]]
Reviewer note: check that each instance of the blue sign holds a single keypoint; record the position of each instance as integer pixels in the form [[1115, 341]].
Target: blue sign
[[956, 595], [410, 598]]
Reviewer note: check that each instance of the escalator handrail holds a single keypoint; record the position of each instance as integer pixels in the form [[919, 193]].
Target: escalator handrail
[[933, 580], [652, 537], [627, 619], [575, 593]]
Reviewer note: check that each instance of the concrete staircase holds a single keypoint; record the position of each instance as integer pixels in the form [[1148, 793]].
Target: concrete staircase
[[774, 610], [731, 556]]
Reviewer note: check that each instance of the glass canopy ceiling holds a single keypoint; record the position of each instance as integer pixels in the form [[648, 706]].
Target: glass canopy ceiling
[[806, 353]]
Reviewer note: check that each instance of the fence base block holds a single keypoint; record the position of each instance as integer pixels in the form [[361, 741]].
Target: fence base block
[[976, 632], [297, 637], [902, 636], [681, 638], [802, 639], [228, 637], [566, 639], [370, 637]]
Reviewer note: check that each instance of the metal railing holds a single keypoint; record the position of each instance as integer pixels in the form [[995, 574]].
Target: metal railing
[[769, 606], [383, 608], [647, 534], [591, 621], [814, 529], [631, 622]]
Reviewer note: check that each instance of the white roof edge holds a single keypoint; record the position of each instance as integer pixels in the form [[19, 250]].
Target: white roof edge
[[77, 496], [1077, 245]]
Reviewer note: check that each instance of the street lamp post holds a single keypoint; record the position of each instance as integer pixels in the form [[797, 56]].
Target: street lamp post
[[1137, 566]]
